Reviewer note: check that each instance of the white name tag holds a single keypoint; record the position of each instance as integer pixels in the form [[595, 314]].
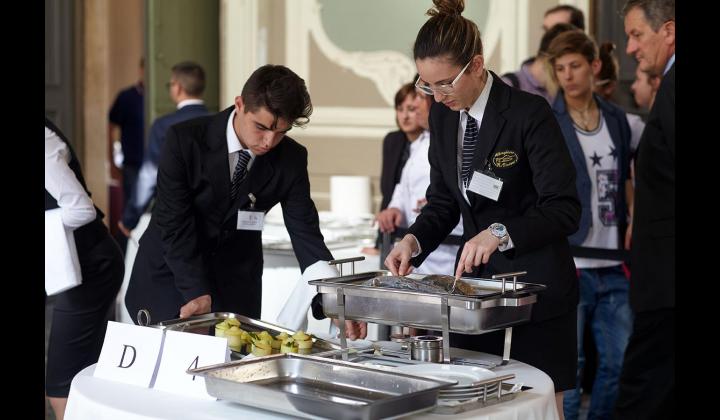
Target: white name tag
[[183, 351], [486, 185], [250, 220], [129, 353]]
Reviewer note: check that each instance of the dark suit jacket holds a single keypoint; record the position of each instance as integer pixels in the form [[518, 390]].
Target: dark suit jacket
[[192, 246], [619, 130], [393, 146], [135, 208], [652, 282], [538, 203]]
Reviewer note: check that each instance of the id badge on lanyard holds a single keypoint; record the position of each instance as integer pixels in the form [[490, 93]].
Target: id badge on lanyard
[[485, 183], [251, 219]]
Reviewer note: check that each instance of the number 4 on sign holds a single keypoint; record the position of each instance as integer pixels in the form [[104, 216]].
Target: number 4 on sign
[[183, 351]]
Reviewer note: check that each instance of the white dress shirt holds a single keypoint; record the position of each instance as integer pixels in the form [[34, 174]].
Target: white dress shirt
[[76, 207], [234, 147]]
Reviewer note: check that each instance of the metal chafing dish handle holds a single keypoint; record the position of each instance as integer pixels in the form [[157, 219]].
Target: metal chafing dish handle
[[514, 276], [342, 261], [143, 313]]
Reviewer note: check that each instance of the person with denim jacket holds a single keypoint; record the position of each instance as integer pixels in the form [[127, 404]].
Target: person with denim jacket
[[598, 137]]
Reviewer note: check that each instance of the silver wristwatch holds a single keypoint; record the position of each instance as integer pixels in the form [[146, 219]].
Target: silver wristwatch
[[499, 231]]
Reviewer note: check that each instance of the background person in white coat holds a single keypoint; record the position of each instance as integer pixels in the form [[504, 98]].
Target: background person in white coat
[[409, 196]]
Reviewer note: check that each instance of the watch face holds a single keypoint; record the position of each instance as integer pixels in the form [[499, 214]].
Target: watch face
[[499, 230]]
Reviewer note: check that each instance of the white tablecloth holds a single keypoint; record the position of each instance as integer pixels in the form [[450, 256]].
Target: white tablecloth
[[99, 399]]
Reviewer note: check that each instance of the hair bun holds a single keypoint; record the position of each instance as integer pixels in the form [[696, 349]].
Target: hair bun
[[447, 7]]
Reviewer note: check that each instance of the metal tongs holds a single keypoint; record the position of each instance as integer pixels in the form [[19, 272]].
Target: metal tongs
[[452, 289]]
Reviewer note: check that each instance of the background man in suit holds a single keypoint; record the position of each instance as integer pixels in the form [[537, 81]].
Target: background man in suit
[[186, 87], [481, 130], [218, 176], [647, 382], [126, 125]]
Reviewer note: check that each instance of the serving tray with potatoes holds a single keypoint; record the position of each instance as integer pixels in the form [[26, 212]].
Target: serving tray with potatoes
[[246, 335]]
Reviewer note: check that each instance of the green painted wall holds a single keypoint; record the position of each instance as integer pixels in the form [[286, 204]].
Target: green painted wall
[[371, 25], [179, 30]]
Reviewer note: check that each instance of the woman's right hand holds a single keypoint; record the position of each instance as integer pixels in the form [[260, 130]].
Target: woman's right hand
[[398, 260], [389, 219]]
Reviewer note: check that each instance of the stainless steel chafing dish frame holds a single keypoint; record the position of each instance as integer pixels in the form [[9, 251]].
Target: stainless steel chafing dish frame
[[521, 294]]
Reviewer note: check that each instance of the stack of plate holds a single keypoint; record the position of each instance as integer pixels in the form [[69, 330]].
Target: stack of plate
[[466, 376]]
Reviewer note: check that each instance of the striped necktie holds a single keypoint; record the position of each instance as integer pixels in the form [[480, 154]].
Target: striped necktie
[[240, 172], [468, 150]]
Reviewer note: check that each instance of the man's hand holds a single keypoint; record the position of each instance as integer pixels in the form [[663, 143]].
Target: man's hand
[[197, 306], [628, 235], [398, 260], [420, 204], [389, 219], [353, 329], [476, 251], [125, 231]]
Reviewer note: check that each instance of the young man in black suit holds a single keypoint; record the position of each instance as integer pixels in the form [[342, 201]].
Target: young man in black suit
[[218, 176], [486, 135], [647, 382]]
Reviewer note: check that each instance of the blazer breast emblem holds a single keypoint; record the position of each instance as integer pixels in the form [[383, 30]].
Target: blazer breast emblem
[[505, 159]]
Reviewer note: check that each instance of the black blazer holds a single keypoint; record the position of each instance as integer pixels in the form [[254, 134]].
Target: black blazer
[[192, 246], [652, 283], [393, 145], [538, 204]]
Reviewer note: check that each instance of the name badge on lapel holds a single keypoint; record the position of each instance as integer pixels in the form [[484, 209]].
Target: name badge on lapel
[[485, 183], [251, 219]]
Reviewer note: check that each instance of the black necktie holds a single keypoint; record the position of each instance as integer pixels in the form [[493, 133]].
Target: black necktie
[[240, 172], [468, 150]]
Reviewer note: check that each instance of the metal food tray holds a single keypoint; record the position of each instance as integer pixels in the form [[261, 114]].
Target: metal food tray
[[205, 324], [309, 386], [491, 307]]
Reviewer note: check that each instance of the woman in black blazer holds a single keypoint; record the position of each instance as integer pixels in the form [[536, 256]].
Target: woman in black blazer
[[486, 131]]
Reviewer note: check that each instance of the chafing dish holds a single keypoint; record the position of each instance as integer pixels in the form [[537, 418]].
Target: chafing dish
[[495, 304]]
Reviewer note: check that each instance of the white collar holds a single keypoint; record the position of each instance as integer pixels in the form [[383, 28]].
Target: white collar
[[187, 102], [669, 64], [478, 108], [233, 142]]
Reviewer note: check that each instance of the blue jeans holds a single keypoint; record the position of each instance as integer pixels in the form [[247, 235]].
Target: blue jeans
[[604, 304]]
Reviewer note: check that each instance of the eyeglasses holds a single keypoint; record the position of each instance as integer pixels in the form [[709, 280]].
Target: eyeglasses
[[445, 89]]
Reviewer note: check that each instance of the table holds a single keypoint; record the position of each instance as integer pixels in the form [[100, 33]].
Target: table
[[94, 398]]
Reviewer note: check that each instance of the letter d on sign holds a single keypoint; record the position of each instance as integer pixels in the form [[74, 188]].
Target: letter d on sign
[[122, 359], [129, 354]]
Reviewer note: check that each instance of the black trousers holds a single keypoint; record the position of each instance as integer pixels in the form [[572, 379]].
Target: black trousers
[[81, 314], [549, 345], [647, 382]]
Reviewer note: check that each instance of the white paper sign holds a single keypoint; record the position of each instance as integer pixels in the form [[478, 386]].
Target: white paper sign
[[485, 185], [62, 266], [250, 220], [183, 351], [129, 354]]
